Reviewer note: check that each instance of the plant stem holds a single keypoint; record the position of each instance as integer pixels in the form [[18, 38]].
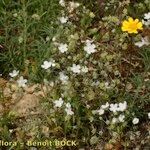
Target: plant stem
[[24, 32]]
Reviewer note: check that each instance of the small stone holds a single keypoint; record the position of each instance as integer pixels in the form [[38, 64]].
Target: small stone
[[27, 103], [7, 92], [108, 146], [31, 89]]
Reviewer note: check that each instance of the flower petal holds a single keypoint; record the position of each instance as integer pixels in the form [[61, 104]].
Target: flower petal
[[136, 20], [139, 25], [130, 19], [125, 23]]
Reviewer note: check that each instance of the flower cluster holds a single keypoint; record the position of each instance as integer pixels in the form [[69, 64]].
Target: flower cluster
[[21, 81], [78, 69], [84, 63], [118, 107], [113, 107]]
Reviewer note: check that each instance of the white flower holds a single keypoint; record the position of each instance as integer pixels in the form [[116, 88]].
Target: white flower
[[69, 111], [62, 3], [63, 48], [122, 106], [63, 77], [14, 73], [63, 19], [121, 118], [100, 111], [143, 42], [135, 121], [146, 20], [74, 5], [147, 23], [113, 108], [105, 106], [149, 115], [58, 103], [89, 47], [84, 69], [22, 82], [147, 16], [48, 64], [68, 105], [114, 120], [76, 68], [139, 44]]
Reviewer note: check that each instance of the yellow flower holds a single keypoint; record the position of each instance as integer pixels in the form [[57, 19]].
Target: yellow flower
[[132, 26]]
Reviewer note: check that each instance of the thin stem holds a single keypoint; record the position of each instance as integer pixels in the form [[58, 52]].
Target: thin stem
[[24, 32]]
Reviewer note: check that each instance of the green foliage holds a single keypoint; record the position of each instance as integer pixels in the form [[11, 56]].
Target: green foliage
[[118, 71]]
